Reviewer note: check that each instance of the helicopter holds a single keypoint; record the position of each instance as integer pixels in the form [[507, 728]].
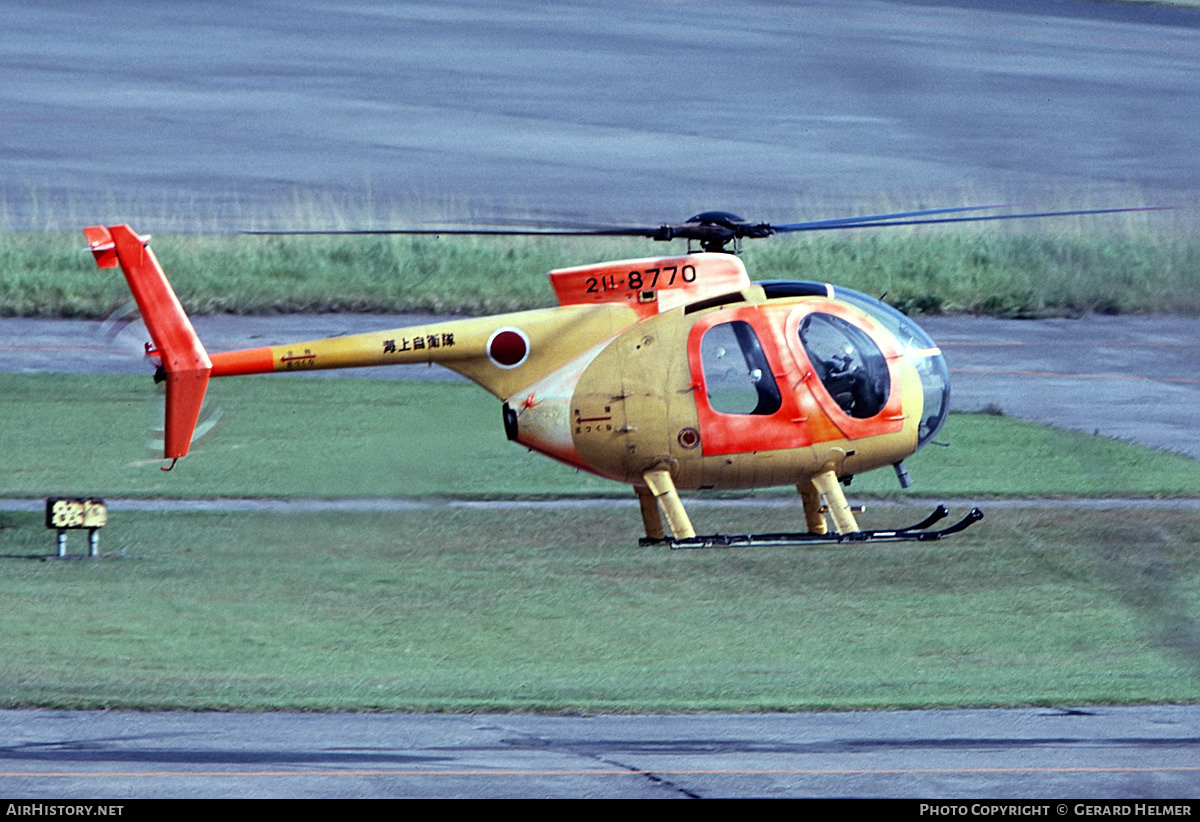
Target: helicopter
[[666, 373]]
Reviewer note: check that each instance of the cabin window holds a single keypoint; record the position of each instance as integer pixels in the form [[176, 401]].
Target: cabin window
[[848, 363], [736, 374]]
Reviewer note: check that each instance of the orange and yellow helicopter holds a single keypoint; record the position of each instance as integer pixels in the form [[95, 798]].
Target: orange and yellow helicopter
[[666, 373]]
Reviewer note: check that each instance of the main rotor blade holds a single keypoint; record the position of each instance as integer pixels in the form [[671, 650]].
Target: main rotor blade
[[883, 221], [618, 231], [851, 222], [715, 233]]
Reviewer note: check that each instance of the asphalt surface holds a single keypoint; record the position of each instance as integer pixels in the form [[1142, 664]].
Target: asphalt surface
[[1104, 753], [209, 116], [212, 115], [1132, 378]]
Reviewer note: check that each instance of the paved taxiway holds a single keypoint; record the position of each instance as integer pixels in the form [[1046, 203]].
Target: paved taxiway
[[1142, 752], [611, 110]]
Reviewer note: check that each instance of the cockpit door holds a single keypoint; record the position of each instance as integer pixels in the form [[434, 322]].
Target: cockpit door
[[745, 381], [850, 364]]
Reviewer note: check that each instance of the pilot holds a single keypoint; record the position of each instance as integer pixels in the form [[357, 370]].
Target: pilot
[[844, 379]]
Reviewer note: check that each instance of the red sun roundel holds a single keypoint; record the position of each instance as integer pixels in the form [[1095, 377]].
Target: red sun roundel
[[508, 347]]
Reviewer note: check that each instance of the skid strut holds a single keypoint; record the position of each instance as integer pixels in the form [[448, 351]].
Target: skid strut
[[918, 532]]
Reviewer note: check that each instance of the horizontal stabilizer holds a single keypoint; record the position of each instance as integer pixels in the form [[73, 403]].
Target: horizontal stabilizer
[[101, 245]]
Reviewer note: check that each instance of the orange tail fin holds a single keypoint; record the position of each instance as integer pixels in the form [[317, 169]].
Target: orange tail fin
[[183, 358]]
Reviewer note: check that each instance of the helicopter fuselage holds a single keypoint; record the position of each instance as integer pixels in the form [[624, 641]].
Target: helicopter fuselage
[[752, 392]]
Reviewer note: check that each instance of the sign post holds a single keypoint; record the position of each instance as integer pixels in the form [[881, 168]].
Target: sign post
[[65, 514]]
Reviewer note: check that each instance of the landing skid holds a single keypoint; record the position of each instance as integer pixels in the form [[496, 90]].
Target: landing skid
[[914, 533]]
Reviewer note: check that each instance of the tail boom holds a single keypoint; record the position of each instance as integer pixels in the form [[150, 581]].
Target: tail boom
[[502, 354]]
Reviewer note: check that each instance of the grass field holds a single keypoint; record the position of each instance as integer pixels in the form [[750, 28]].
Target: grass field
[[446, 607], [461, 610]]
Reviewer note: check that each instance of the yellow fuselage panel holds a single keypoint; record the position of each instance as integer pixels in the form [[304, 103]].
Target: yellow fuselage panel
[[641, 381]]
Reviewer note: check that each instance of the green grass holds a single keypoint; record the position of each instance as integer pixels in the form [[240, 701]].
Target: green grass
[[512, 609], [1143, 262], [443, 607], [291, 436]]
